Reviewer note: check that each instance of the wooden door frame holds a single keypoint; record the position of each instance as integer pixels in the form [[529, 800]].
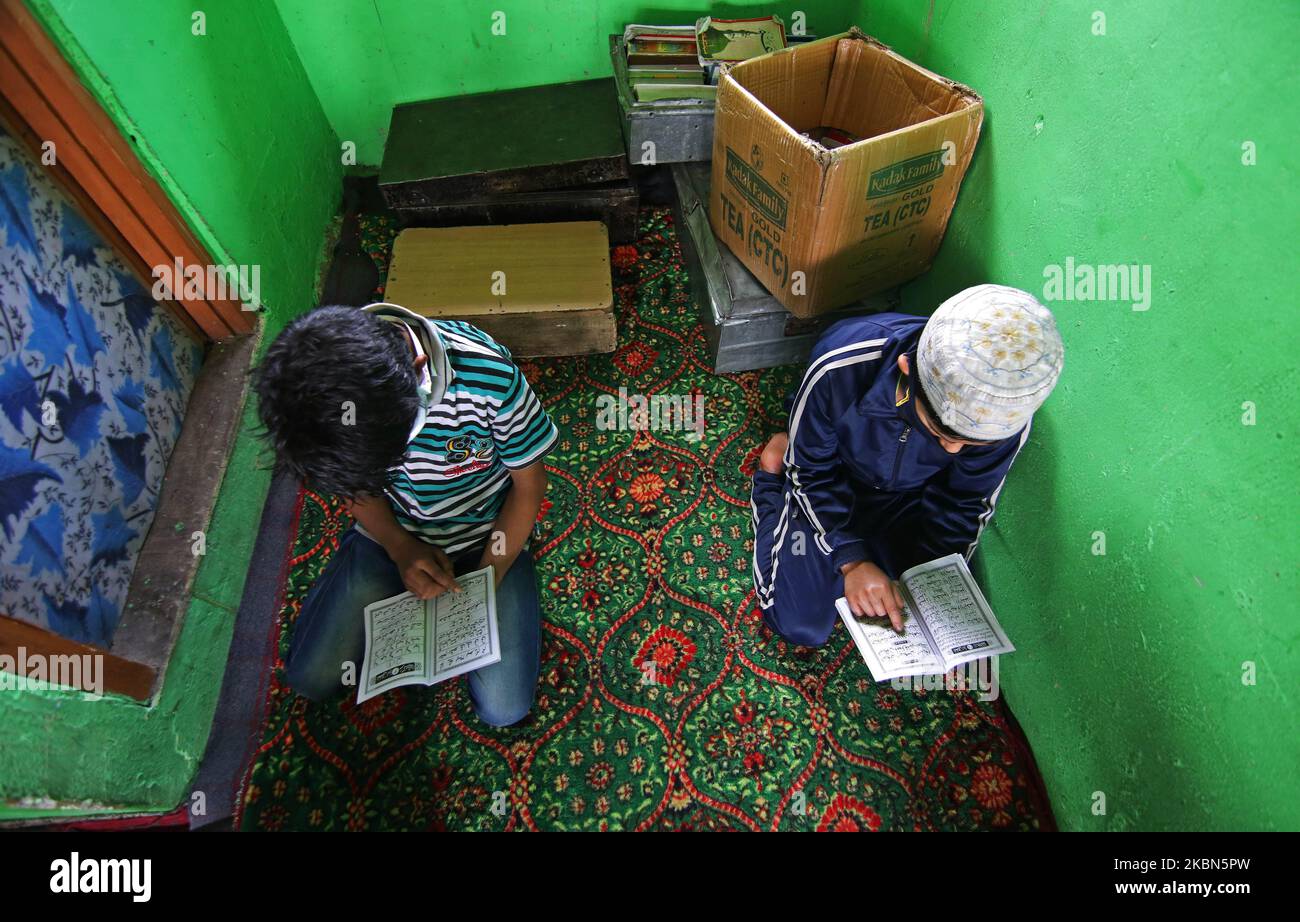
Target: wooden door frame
[[45, 101], [42, 99]]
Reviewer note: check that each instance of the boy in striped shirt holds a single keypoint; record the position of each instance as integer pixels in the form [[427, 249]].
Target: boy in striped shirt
[[433, 435]]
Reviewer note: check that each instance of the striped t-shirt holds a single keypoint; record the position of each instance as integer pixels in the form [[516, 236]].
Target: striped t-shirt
[[482, 422]]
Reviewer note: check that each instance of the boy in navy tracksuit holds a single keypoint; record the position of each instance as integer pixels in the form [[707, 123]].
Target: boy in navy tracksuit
[[900, 437]]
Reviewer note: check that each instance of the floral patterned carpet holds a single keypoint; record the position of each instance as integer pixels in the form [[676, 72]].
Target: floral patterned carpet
[[643, 547]]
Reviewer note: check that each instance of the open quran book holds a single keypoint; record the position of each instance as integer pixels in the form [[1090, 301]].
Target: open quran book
[[946, 622], [410, 641]]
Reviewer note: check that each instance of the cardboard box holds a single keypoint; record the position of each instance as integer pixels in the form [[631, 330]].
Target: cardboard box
[[744, 327], [819, 227]]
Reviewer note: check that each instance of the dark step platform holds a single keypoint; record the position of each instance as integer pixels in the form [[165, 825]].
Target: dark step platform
[[614, 204], [531, 139]]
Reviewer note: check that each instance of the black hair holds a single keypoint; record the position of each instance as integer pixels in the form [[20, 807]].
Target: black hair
[[337, 396]]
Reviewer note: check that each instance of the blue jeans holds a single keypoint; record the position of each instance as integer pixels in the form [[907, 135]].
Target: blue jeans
[[331, 631]]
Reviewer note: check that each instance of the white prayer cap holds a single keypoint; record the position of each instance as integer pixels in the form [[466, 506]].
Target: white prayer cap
[[988, 358]]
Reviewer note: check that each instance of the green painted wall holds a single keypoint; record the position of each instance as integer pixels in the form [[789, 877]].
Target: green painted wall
[[230, 126], [365, 57], [1127, 148], [1115, 148]]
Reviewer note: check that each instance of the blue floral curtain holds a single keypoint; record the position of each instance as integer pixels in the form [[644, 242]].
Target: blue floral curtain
[[94, 379]]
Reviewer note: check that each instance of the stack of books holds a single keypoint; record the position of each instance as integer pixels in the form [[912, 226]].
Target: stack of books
[[681, 62], [726, 41], [663, 63]]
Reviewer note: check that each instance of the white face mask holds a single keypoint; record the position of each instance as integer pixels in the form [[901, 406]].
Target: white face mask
[[425, 387]]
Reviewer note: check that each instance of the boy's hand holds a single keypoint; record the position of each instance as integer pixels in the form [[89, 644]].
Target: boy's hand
[[426, 570], [871, 594]]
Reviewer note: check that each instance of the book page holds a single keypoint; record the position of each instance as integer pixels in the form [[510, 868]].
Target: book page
[[397, 646], [956, 617], [890, 655], [465, 626]]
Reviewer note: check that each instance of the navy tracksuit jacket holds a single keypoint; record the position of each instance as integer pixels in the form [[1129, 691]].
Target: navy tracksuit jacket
[[864, 479]]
